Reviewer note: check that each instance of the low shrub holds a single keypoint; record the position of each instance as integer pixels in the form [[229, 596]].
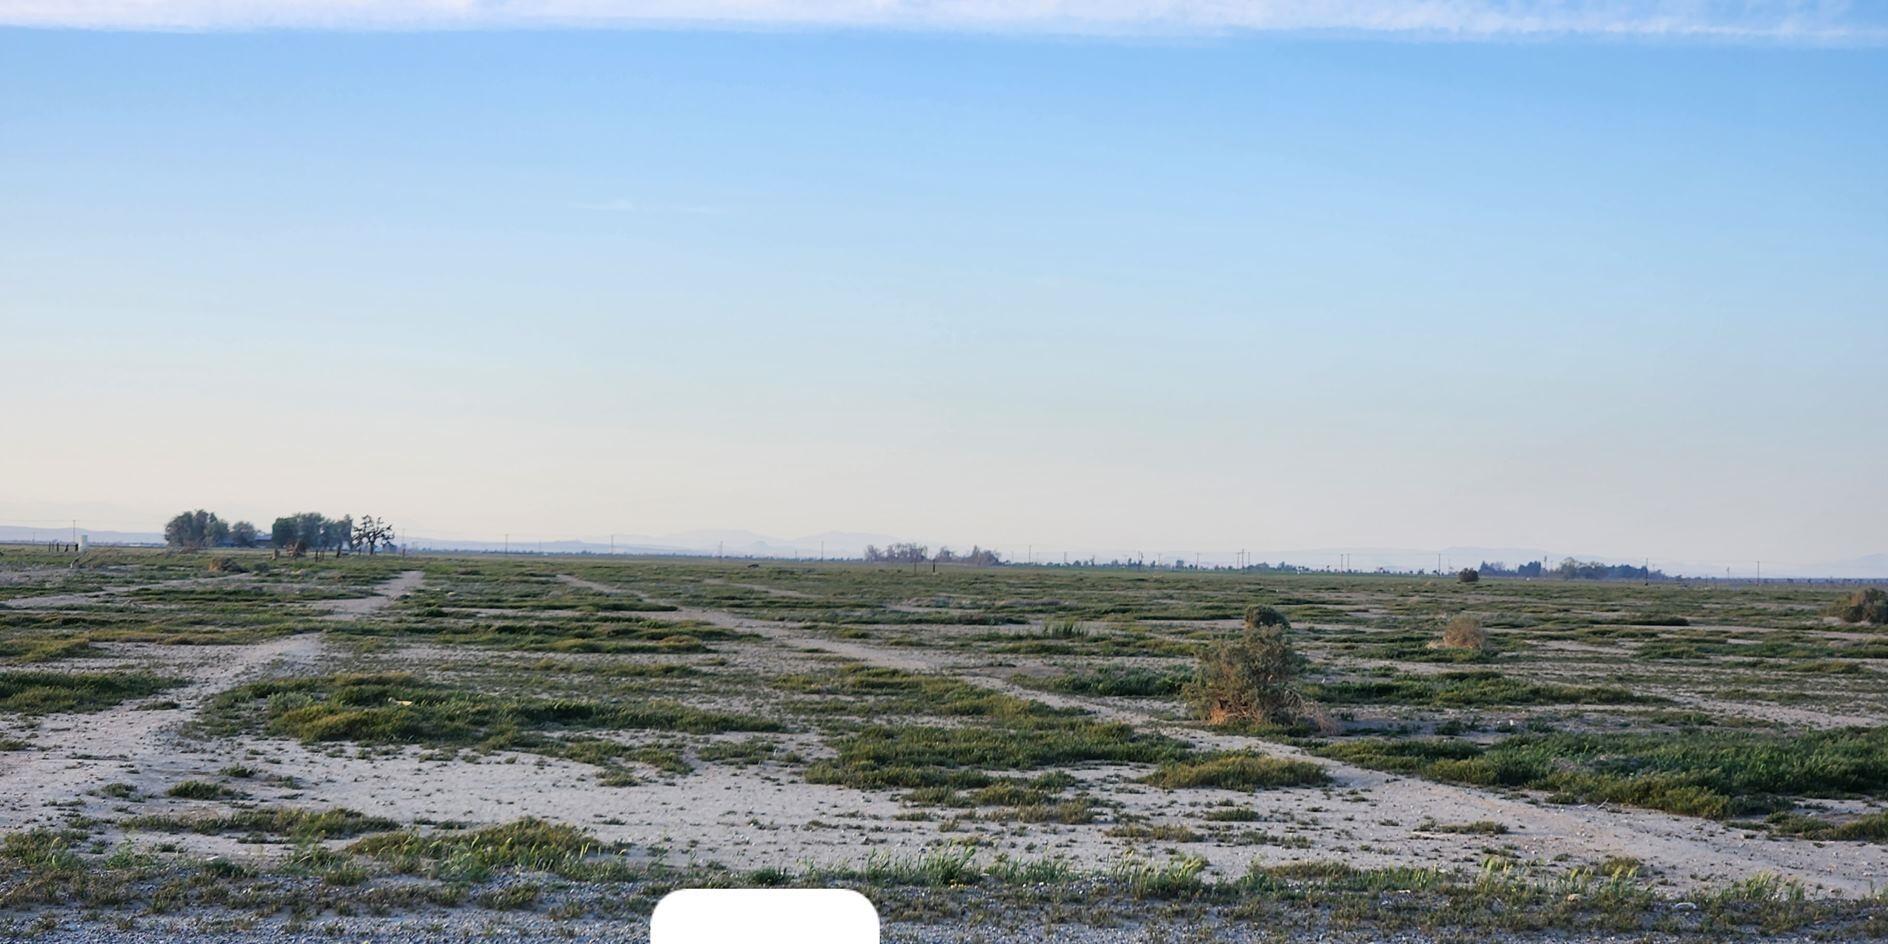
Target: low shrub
[[36, 693], [1238, 771], [1253, 678], [1464, 632], [1862, 606]]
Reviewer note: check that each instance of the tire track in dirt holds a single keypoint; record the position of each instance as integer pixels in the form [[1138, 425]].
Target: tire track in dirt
[[72, 754], [1685, 851], [353, 608], [130, 743]]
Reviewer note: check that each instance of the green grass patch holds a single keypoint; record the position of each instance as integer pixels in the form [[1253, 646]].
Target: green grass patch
[[198, 790], [275, 822], [1708, 774], [999, 732], [1113, 681], [1872, 827], [1469, 690], [530, 845], [1238, 771], [398, 708], [35, 692]]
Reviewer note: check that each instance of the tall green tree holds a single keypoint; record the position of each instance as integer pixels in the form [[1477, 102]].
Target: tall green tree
[[195, 530]]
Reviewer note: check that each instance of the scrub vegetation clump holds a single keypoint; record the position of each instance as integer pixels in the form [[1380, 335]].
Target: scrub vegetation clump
[[1252, 678], [1869, 606], [1463, 633]]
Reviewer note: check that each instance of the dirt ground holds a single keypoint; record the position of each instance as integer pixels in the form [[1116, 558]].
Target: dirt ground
[[748, 818]]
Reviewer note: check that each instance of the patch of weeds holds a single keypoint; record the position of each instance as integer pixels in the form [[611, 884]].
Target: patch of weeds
[[1480, 827], [34, 693], [531, 845], [1872, 827], [1063, 627], [743, 753], [1707, 774], [1470, 689], [1238, 771], [1163, 832], [1028, 738], [286, 822], [1113, 681], [398, 708], [618, 636], [199, 790], [1863, 606], [23, 651], [1231, 814], [1176, 878], [948, 867]]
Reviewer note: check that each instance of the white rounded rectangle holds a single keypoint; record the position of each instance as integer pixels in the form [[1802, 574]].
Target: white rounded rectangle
[[764, 916]]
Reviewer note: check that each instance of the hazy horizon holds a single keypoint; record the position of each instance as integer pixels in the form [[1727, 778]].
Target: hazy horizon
[[1617, 287]]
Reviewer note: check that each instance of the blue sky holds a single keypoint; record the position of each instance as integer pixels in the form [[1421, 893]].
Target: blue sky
[[1209, 288]]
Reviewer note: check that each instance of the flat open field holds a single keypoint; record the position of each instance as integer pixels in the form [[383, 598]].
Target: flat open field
[[461, 747]]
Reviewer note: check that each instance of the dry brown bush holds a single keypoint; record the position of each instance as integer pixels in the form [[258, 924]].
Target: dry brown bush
[[1862, 606], [1463, 632]]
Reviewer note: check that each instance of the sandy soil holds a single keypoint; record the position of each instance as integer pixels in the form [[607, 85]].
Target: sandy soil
[[142, 743], [1683, 850], [747, 817], [382, 597]]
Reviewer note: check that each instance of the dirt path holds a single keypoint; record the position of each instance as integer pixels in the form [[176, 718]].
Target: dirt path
[[1683, 850], [73, 754], [383, 596]]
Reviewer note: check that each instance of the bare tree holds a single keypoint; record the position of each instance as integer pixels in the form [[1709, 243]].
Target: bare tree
[[372, 533]]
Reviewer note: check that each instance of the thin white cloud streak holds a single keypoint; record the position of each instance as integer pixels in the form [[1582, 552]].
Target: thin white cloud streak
[[1788, 21]]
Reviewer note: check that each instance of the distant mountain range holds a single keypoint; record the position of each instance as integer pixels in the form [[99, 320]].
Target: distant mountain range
[[851, 544], [731, 543], [20, 534]]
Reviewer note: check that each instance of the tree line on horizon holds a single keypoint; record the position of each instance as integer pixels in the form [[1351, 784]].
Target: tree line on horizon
[[1571, 569], [295, 535], [911, 553]]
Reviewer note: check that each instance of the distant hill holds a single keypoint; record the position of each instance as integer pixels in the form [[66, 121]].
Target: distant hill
[[734, 542], [18, 534]]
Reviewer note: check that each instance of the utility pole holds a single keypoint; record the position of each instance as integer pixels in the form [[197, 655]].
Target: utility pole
[[612, 544], [508, 543], [822, 550]]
